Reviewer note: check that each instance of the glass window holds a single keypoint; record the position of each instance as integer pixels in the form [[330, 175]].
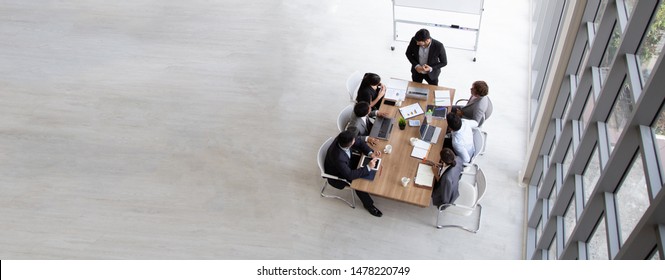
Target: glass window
[[599, 13], [652, 44], [597, 245], [658, 128], [552, 199], [551, 251], [569, 220], [582, 66], [539, 229], [588, 109], [630, 6], [656, 256], [619, 115], [591, 175], [632, 199], [610, 53], [568, 158]]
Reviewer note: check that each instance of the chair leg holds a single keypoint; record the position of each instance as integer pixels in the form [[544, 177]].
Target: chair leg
[[351, 204], [440, 226]]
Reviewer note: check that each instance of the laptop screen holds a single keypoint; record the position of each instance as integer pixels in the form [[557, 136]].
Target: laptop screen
[[423, 128]]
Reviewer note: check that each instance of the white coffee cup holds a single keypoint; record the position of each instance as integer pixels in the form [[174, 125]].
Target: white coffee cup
[[388, 149], [405, 181], [413, 141]]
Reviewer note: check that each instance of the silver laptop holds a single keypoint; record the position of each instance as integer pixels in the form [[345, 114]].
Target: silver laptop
[[382, 128], [417, 93], [429, 133]]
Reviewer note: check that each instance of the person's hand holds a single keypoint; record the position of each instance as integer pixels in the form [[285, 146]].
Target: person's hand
[[382, 91], [376, 154], [427, 68], [372, 141], [382, 114], [419, 69], [372, 163]]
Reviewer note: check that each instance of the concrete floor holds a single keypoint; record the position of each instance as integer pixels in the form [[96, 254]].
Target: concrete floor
[[189, 130]]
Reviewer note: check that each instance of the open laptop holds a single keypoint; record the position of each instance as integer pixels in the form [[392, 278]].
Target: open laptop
[[429, 133], [417, 93], [382, 128]]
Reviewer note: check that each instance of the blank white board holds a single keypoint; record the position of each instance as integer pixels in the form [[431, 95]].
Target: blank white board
[[458, 6]]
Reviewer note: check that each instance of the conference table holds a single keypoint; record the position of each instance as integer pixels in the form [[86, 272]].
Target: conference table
[[399, 163]]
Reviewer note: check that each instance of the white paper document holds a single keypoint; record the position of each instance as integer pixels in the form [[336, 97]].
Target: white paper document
[[411, 110], [424, 176], [442, 97], [396, 89]]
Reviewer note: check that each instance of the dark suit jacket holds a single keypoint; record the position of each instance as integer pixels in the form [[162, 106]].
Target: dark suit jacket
[[446, 189], [339, 164], [437, 57], [367, 94]]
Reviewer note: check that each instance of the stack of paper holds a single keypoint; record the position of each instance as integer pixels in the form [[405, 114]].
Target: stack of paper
[[442, 97], [420, 149], [411, 110], [424, 176]]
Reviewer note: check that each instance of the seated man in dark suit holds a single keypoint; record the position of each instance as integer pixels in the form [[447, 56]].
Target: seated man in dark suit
[[447, 174], [339, 163]]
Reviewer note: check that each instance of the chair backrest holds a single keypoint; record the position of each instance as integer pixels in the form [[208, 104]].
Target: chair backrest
[[467, 199], [322, 154], [353, 83], [344, 117], [481, 184], [478, 143]]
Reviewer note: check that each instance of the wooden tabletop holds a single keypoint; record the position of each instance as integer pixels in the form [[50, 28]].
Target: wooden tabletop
[[399, 163]]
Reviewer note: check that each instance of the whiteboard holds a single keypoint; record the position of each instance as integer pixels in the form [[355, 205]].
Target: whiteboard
[[460, 6]]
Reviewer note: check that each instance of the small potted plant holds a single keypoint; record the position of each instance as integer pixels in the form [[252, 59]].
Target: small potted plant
[[402, 123]]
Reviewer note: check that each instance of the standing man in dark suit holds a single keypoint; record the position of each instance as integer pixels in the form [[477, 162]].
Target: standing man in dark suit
[[339, 163], [427, 56]]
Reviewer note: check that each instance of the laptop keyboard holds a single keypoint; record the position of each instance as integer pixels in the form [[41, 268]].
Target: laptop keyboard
[[383, 130], [429, 133]]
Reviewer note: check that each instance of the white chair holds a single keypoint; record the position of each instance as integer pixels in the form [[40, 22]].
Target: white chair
[[479, 144], [353, 83], [472, 187], [321, 158], [344, 117]]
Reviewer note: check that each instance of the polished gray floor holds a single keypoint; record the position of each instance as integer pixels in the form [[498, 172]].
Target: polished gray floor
[[189, 130]]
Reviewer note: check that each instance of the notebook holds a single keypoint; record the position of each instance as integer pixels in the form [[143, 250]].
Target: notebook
[[420, 149], [424, 176], [442, 97]]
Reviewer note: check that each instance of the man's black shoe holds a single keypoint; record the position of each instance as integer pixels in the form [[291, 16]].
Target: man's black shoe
[[374, 211]]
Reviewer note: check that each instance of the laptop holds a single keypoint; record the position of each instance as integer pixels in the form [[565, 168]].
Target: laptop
[[429, 133], [417, 93], [382, 128]]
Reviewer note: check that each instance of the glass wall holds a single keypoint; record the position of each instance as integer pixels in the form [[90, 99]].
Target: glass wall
[[613, 163]]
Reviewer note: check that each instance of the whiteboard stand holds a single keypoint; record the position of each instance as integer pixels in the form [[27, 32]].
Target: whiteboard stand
[[472, 8]]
